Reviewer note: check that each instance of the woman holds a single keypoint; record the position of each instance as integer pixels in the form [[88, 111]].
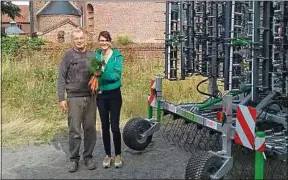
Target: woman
[[109, 98]]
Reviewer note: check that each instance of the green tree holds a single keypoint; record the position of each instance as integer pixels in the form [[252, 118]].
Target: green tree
[[12, 10]]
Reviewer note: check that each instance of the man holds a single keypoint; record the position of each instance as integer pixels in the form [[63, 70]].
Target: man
[[73, 77]]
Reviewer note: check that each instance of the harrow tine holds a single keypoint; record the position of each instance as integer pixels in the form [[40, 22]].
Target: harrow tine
[[189, 136], [190, 139], [185, 136], [185, 133], [243, 165], [171, 131], [176, 131], [201, 138], [181, 132], [215, 141], [168, 126], [198, 138], [276, 169], [165, 126]]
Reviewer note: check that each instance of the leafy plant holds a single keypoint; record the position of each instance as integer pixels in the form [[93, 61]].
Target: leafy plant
[[11, 44], [95, 65], [123, 40], [35, 43]]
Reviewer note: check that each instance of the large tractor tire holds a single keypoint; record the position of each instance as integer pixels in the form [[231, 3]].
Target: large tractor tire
[[202, 165], [132, 134]]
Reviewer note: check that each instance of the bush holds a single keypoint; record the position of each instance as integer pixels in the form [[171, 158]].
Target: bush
[[123, 40], [11, 44], [35, 43]]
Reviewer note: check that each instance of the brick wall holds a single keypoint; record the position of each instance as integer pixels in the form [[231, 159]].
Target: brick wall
[[37, 4], [135, 19], [25, 28], [138, 52], [51, 20], [52, 35]]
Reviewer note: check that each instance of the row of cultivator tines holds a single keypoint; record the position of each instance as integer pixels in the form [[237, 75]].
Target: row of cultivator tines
[[194, 138]]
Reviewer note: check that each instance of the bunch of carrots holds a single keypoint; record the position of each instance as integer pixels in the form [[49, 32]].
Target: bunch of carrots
[[95, 67]]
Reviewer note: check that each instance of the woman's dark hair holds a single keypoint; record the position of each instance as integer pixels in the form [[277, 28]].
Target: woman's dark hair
[[106, 35]]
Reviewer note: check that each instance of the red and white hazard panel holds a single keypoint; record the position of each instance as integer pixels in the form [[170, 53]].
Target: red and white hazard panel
[[151, 100], [152, 97], [245, 126]]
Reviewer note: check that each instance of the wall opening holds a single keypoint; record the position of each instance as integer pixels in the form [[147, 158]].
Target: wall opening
[[61, 37], [90, 15], [82, 17]]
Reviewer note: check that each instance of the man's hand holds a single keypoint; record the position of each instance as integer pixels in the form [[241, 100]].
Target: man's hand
[[63, 105]]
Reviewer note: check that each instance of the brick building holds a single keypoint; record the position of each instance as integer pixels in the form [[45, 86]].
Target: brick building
[[22, 22], [142, 22]]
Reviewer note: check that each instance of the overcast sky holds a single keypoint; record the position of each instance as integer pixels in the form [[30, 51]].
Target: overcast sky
[[21, 2]]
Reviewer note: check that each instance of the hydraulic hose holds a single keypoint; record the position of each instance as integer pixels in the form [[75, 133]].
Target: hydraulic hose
[[215, 94], [267, 107]]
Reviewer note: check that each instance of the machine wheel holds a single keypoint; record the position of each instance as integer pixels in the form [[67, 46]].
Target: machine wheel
[[132, 134], [202, 165]]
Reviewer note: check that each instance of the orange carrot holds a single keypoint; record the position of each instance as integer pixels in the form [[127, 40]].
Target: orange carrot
[[93, 83]]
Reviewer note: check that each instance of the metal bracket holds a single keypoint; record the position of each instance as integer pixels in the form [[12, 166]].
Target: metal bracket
[[266, 100], [155, 127], [225, 154], [226, 167], [246, 99]]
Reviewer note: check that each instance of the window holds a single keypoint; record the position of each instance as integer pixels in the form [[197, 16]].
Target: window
[[90, 9], [60, 37], [90, 14]]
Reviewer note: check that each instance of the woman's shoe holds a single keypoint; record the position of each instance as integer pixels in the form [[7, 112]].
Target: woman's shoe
[[107, 161], [118, 161]]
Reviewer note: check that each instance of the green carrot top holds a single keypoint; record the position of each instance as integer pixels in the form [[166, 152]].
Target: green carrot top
[[96, 65]]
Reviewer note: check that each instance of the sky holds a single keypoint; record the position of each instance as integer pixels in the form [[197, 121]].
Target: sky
[[21, 2]]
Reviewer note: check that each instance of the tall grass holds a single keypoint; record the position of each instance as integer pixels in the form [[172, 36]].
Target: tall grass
[[29, 94]]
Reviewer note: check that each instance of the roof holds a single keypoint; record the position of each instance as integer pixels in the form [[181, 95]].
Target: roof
[[13, 30], [25, 13], [62, 23], [59, 7]]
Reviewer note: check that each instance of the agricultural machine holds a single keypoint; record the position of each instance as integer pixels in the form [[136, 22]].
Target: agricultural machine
[[242, 131]]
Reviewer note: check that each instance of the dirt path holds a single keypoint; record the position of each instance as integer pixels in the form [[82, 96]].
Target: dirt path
[[158, 161]]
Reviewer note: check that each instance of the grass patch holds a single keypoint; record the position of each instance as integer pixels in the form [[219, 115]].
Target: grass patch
[[30, 112]]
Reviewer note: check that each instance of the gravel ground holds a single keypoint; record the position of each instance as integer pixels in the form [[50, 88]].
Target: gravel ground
[[158, 161]]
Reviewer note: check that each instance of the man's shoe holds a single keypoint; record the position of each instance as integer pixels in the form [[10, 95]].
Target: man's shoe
[[72, 167], [107, 161], [91, 165], [118, 161]]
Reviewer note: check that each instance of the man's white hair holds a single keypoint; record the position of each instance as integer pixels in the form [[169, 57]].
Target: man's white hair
[[78, 30]]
